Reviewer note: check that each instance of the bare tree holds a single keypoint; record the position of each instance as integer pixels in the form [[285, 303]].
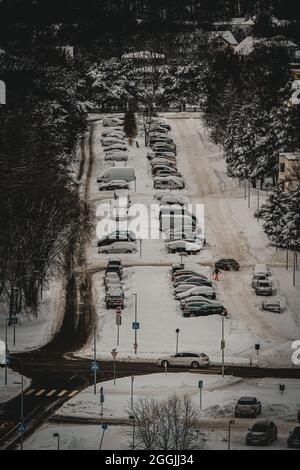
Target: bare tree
[[171, 424]]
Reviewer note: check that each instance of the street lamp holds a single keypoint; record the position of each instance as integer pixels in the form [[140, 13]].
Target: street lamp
[[177, 340], [223, 345], [104, 428], [231, 423], [56, 435], [132, 418], [132, 394]]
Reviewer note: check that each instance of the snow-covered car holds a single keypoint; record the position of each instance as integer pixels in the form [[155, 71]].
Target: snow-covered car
[[186, 359], [163, 154], [208, 292], [161, 146], [171, 200], [248, 407], [264, 288], [263, 433], [227, 264], [109, 141], [194, 280], [116, 157], [272, 305], [121, 235], [119, 247], [113, 122], [190, 273], [293, 441], [113, 131], [198, 299], [184, 247], [114, 185], [168, 183], [185, 286], [113, 283], [120, 146], [163, 161]]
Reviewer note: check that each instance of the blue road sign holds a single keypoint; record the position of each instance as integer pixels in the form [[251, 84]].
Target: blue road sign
[[95, 366], [135, 326], [21, 428], [104, 427]]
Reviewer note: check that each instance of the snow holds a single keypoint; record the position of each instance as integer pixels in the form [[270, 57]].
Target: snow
[[219, 397], [13, 387], [231, 231]]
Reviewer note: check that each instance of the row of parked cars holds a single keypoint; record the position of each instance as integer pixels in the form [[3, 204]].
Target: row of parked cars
[[195, 292], [113, 282], [162, 158], [265, 432], [263, 285]]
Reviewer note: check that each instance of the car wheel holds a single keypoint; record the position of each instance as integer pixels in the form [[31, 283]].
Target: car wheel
[[128, 252], [165, 364], [195, 365]]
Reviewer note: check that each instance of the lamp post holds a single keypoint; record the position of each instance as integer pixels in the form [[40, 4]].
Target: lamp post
[[223, 345], [231, 423], [104, 428], [132, 418], [135, 323], [177, 340], [132, 392], [56, 435]]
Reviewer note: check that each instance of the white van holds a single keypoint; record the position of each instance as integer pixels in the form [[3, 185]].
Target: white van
[[260, 273], [117, 173]]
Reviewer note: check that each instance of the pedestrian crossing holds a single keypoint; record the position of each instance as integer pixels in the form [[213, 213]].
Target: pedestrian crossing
[[51, 393]]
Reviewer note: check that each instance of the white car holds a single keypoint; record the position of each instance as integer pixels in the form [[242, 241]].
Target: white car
[[116, 157], [171, 200], [115, 141], [113, 131], [114, 185], [183, 246], [191, 360], [119, 247], [207, 292], [168, 182]]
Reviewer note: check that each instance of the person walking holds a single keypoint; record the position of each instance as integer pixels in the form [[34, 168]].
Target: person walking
[[216, 274]]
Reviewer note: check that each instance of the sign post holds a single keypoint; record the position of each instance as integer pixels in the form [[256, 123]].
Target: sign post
[[118, 323], [257, 348], [102, 399], [200, 389], [114, 354]]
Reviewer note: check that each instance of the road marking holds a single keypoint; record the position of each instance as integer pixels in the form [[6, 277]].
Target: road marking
[[71, 395], [30, 392], [50, 394], [41, 392], [62, 393]]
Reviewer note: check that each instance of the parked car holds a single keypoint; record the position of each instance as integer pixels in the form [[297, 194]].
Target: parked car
[[167, 170], [109, 141], [112, 284], [263, 433], [293, 441], [191, 360], [118, 235], [111, 276], [113, 265], [116, 157], [168, 183], [184, 272], [198, 299], [112, 131], [194, 281], [264, 288], [207, 292], [119, 247], [186, 277], [177, 268], [114, 299], [203, 310], [260, 273], [228, 265], [114, 185], [248, 407], [298, 416], [169, 162], [164, 154], [122, 147], [184, 247], [174, 200], [164, 147], [272, 305]]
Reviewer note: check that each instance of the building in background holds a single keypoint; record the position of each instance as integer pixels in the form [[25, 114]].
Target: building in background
[[289, 170]]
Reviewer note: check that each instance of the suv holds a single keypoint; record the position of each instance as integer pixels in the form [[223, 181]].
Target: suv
[[258, 278], [228, 265], [264, 288], [263, 433], [293, 441], [115, 266], [114, 298], [248, 407]]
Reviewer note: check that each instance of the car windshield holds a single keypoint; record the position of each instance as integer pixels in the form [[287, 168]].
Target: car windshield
[[247, 401], [260, 427]]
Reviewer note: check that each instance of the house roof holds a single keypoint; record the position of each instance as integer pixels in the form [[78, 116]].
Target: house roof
[[226, 35], [247, 46], [291, 156]]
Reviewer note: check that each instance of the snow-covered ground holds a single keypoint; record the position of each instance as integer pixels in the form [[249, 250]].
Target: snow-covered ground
[[231, 231], [13, 387], [218, 401]]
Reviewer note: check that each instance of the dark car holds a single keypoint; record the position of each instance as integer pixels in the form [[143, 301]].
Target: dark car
[[293, 441], [117, 236], [194, 281], [203, 310], [298, 416], [263, 433], [227, 265], [115, 266]]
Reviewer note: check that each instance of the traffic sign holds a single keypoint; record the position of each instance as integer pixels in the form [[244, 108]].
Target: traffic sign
[[104, 427], [201, 384], [223, 345], [114, 354], [102, 397], [21, 428], [95, 366], [118, 319], [135, 326]]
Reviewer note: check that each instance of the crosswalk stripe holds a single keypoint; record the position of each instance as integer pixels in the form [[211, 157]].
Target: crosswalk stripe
[[30, 392], [71, 395], [62, 393], [50, 394], [41, 392]]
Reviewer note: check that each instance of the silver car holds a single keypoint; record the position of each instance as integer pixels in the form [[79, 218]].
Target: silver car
[[119, 247], [191, 360]]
